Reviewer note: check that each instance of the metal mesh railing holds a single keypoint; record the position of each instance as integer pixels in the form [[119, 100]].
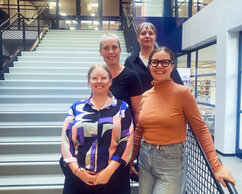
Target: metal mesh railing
[[200, 177]]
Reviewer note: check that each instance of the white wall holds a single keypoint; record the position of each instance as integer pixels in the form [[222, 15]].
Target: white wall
[[221, 20]]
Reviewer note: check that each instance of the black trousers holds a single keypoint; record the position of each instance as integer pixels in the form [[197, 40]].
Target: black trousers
[[118, 183]]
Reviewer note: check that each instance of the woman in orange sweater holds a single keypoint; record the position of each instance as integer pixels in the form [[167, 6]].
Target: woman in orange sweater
[[165, 110]]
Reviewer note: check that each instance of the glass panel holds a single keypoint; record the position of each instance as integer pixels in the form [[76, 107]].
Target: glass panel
[[207, 60], [149, 8], [182, 8], [208, 115], [182, 61], [240, 131], [89, 25], [89, 7], [111, 25], [193, 63], [206, 89], [240, 93], [192, 85]]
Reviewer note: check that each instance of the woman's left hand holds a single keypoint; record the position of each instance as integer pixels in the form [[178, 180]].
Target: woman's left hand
[[102, 177], [224, 174]]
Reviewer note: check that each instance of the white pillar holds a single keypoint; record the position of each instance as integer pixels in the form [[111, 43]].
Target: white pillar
[[226, 91]]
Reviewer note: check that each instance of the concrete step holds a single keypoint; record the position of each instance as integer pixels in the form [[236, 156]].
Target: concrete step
[[67, 54], [50, 189], [43, 83], [44, 90], [40, 99], [33, 107], [91, 59], [30, 151], [75, 44], [84, 41], [30, 133], [47, 70], [21, 117], [69, 48], [84, 65], [82, 32], [44, 76], [78, 36], [30, 174]]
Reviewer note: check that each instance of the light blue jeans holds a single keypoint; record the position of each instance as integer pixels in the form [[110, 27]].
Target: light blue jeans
[[162, 169]]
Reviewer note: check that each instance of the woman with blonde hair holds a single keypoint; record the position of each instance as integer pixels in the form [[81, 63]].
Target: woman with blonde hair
[[97, 139]]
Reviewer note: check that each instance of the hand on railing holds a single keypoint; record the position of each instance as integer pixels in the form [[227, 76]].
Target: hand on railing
[[231, 187]]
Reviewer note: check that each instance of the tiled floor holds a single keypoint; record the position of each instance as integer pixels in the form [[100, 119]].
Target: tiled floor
[[235, 166]]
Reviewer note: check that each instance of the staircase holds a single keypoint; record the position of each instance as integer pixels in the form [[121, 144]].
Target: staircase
[[34, 99]]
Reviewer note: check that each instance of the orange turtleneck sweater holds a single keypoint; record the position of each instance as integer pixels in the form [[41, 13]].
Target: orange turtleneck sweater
[[165, 110]]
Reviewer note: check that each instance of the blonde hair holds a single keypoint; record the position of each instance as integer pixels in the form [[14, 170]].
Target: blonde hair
[[97, 65], [109, 35]]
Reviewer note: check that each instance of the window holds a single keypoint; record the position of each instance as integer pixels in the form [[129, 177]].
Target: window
[[203, 81]]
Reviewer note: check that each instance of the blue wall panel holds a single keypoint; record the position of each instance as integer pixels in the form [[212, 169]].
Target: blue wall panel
[[169, 31]]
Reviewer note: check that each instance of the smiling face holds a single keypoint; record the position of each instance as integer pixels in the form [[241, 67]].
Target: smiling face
[[161, 73], [146, 37], [99, 81], [110, 50]]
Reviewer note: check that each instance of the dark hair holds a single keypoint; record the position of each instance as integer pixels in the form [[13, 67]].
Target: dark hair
[[146, 25], [103, 67], [109, 35], [165, 49]]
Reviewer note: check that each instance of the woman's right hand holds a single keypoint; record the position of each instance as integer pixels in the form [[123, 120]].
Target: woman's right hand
[[132, 169], [87, 177]]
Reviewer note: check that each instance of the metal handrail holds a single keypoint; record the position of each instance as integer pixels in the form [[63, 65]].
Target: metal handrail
[[46, 28], [8, 20], [39, 11], [32, 19]]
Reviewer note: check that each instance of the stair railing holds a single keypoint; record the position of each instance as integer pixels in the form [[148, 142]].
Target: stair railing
[[19, 33]]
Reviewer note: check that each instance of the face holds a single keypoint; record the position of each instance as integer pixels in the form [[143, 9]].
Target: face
[[110, 51], [161, 73], [146, 38], [99, 81]]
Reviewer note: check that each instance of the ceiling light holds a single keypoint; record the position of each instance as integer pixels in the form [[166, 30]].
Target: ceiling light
[[63, 14], [94, 4], [68, 21]]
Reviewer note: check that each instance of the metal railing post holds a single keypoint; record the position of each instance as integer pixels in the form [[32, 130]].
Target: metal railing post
[[38, 25], [24, 35], [1, 51]]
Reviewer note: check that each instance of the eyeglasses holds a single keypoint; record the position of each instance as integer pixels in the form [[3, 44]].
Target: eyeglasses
[[164, 63], [101, 79]]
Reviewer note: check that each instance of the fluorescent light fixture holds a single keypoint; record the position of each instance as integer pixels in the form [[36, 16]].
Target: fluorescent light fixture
[[74, 21], [94, 4], [95, 22], [68, 21], [63, 14], [86, 22], [54, 4], [92, 14]]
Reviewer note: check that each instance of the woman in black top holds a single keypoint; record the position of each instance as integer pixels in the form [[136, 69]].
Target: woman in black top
[[125, 86], [146, 36]]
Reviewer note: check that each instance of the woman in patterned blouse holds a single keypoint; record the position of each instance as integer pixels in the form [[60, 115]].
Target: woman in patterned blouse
[[97, 139]]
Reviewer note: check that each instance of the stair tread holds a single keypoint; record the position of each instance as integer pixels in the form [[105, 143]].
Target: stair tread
[[29, 159], [31, 107], [30, 139], [32, 180], [31, 123]]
